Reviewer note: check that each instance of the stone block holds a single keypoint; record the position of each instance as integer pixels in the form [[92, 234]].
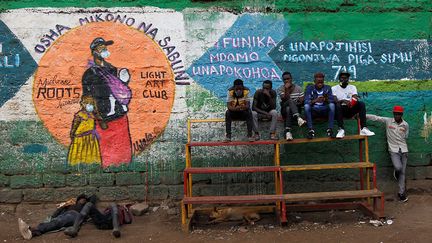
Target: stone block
[[137, 193], [171, 178], [4, 180], [66, 193], [428, 172], [128, 178], [40, 195], [76, 180], [25, 181], [420, 172], [158, 192], [102, 179], [10, 196], [54, 180], [113, 193], [139, 209], [175, 192]]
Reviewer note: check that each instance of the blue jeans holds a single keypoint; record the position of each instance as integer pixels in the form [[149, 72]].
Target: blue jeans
[[65, 219], [320, 111]]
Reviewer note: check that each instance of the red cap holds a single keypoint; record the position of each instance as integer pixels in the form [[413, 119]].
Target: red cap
[[398, 109]]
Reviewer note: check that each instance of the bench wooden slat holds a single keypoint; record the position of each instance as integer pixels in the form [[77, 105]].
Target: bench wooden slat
[[232, 143], [295, 197], [351, 165], [210, 170], [232, 199]]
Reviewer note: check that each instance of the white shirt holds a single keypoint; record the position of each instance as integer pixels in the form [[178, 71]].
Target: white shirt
[[344, 94], [397, 134]]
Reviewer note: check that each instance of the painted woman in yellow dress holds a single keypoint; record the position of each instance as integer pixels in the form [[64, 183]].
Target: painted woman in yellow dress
[[84, 148]]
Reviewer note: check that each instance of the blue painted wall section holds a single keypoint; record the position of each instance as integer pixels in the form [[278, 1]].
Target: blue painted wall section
[[365, 60], [16, 64], [241, 53]]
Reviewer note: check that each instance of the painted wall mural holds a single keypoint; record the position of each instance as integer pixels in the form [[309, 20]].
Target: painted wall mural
[[104, 89], [106, 83]]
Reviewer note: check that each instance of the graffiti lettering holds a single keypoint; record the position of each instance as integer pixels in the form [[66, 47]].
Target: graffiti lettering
[[61, 104], [49, 38], [141, 144], [158, 94], [13, 61], [361, 59], [247, 42], [395, 57], [238, 72], [353, 47], [234, 57], [155, 83], [159, 75], [58, 93], [53, 81], [332, 58]]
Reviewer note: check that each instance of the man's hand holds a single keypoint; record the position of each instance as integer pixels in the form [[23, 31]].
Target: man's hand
[[345, 102], [319, 99]]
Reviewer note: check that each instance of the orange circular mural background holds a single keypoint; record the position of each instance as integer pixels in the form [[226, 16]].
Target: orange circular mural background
[[57, 86]]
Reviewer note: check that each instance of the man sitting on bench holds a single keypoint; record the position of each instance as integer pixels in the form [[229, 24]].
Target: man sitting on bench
[[238, 109], [292, 98], [264, 107], [348, 104], [319, 101]]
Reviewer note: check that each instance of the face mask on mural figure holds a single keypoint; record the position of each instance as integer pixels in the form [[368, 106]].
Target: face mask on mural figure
[[89, 108], [105, 54]]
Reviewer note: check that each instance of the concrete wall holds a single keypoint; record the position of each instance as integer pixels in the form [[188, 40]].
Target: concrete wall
[[182, 56]]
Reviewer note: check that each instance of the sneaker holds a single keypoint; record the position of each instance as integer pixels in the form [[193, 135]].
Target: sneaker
[[300, 121], [340, 134], [273, 136], [403, 197], [251, 139], [24, 229], [311, 134], [288, 136], [257, 137], [227, 139], [366, 132], [329, 133]]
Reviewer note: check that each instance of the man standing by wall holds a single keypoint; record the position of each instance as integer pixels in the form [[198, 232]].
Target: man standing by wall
[[238, 105], [264, 107], [397, 131]]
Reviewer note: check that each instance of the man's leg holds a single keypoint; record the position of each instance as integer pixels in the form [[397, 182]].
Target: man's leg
[[255, 121], [331, 115], [228, 121], [273, 123], [360, 108], [115, 222], [63, 220], [398, 164], [73, 230], [308, 113], [339, 115], [249, 123]]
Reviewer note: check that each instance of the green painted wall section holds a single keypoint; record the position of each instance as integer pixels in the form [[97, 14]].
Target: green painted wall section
[[263, 5]]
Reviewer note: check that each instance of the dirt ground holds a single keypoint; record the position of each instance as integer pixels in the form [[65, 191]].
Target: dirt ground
[[412, 222]]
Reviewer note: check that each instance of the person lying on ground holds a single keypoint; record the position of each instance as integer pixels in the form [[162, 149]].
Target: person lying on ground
[[64, 216]]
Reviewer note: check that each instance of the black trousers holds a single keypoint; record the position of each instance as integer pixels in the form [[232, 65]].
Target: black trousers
[[245, 115], [343, 111]]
